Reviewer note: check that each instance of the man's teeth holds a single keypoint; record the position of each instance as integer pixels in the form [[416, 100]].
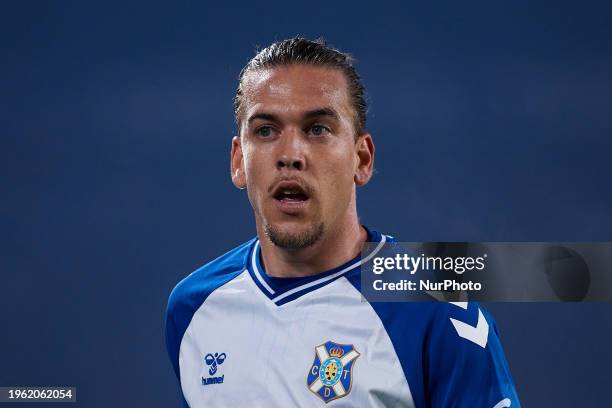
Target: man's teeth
[[295, 195]]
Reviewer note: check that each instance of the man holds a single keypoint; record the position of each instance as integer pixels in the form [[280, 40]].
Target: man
[[279, 321]]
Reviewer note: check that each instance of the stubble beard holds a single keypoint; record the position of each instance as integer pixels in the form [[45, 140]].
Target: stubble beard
[[294, 240]]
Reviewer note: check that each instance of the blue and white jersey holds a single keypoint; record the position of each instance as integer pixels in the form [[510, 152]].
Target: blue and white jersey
[[240, 338]]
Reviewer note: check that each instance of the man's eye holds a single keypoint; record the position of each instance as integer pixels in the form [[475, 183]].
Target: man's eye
[[319, 130], [264, 131]]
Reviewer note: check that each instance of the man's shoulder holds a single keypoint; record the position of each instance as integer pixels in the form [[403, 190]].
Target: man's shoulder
[[425, 316], [193, 290]]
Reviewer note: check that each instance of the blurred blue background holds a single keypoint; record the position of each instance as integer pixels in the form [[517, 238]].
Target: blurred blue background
[[492, 122]]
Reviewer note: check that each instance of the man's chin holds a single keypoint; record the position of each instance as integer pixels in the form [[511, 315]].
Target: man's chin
[[294, 237]]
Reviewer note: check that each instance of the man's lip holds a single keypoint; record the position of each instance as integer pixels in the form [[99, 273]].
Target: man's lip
[[287, 205], [291, 207], [289, 185]]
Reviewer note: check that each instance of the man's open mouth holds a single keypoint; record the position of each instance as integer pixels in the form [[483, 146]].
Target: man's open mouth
[[290, 192]]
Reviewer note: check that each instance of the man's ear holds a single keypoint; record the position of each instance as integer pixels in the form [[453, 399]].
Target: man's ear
[[365, 159], [237, 164]]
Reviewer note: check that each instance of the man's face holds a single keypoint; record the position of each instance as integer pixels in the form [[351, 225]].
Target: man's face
[[297, 154]]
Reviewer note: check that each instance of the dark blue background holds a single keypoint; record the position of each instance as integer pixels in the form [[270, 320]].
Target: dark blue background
[[492, 122]]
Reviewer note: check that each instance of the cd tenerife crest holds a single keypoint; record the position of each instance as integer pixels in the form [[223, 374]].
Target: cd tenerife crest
[[330, 376]]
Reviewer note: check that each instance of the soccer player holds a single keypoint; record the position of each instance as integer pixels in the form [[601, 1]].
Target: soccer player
[[279, 321]]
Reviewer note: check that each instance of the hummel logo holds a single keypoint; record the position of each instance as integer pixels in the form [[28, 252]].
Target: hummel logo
[[214, 361]]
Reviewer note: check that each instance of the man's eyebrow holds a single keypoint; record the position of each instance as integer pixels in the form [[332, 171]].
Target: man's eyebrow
[[263, 116], [321, 112], [307, 115]]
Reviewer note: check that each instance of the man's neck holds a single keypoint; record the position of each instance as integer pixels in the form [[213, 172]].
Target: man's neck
[[334, 248]]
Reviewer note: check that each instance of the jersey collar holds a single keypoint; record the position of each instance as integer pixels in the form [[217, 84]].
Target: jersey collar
[[284, 290]]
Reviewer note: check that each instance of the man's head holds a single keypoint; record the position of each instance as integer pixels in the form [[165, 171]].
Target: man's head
[[301, 147]]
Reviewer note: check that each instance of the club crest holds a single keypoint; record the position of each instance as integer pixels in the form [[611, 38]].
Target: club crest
[[331, 375]]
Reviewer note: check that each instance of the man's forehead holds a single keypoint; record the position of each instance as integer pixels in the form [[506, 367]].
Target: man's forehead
[[295, 87]]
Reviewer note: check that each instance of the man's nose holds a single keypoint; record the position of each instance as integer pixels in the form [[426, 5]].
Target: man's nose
[[292, 150]]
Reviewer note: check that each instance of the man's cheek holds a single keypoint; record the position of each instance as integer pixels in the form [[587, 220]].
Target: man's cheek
[[340, 180]]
